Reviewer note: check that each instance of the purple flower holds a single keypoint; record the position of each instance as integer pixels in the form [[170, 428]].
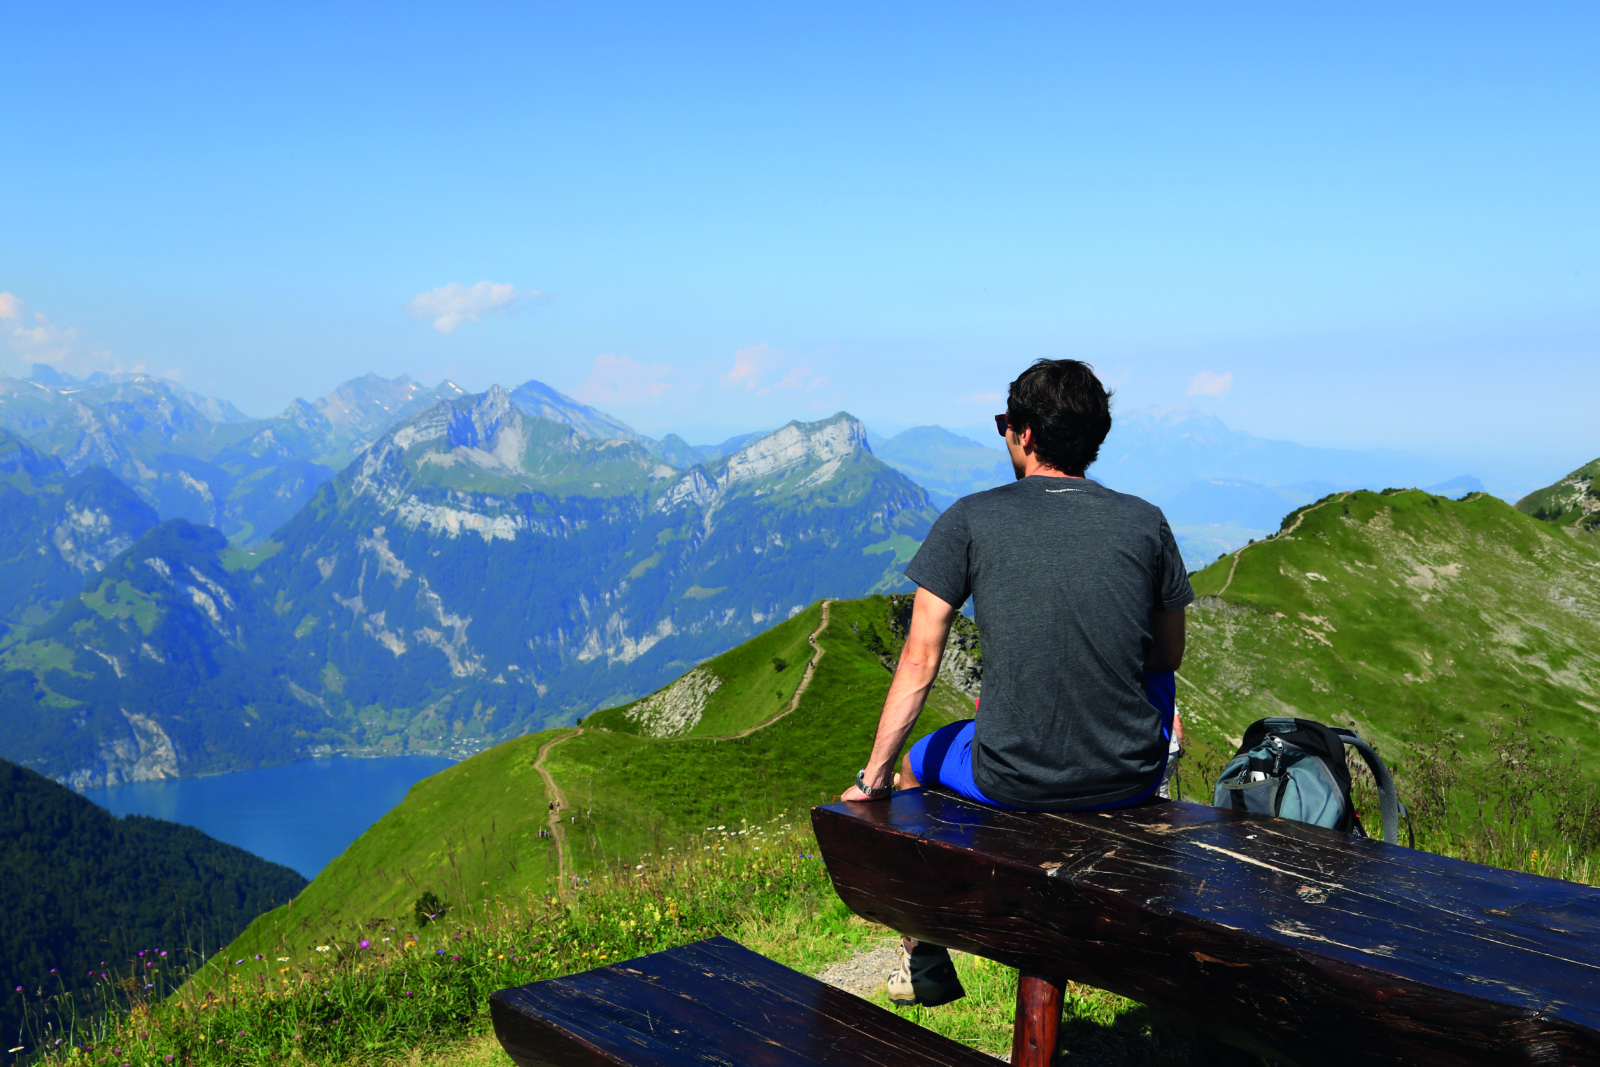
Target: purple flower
[[365, 943], [19, 989]]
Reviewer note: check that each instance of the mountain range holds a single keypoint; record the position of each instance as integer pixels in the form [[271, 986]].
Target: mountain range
[[484, 567], [479, 564]]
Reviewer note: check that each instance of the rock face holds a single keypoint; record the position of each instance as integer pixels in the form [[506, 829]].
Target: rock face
[[57, 529], [474, 573], [1573, 501]]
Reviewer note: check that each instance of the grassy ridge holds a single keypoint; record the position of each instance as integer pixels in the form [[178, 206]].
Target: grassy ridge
[[1446, 632], [472, 831]]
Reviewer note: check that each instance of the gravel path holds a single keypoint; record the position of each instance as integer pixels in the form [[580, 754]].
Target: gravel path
[[865, 973]]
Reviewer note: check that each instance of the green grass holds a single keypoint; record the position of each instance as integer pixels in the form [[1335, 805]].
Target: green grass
[[239, 558], [396, 993], [472, 830], [1419, 621], [120, 600]]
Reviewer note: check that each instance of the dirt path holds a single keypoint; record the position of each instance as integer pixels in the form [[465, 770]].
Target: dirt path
[[805, 683], [1298, 519], [557, 830]]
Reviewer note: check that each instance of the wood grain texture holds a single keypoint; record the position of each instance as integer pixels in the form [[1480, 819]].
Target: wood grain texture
[[712, 1002], [1038, 1022], [1301, 944]]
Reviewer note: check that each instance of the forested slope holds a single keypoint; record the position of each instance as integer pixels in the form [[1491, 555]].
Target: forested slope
[[82, 886]]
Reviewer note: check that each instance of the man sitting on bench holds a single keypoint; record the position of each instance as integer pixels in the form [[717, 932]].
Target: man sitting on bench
[[1078, 593]]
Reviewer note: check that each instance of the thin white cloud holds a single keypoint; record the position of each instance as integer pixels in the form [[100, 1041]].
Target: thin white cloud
[[617, 379], [33, 337], [1208, 384], [990, 397], [762, 369], [448, 306]]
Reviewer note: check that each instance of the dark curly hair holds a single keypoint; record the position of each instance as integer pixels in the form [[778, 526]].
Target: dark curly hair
[[1067, 408]]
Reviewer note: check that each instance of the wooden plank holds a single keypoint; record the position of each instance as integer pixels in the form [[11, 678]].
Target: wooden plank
[[711, 1003], [1302, 944]]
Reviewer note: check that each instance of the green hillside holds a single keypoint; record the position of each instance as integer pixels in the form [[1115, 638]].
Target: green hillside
[[1445, 631], [82, 886], [1573, 501], [473, 831]]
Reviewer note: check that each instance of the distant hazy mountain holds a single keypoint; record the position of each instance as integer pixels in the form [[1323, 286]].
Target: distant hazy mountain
[[1573, 501], [82, 886], [198, 458], [57, 529], [946, 464], [476, 572]]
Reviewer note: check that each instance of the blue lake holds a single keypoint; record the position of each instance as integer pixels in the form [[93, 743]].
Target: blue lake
[[301, 815]]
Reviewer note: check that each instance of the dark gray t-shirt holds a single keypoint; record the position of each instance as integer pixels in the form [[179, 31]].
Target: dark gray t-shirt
[[1063, 574]]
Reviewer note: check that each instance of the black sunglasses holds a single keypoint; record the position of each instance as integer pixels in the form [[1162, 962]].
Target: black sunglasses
[[1002, 422]]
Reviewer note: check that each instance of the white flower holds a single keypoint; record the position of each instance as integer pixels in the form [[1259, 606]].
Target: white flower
[[322, 948]]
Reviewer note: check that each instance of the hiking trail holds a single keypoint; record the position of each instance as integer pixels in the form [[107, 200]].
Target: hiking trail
[[1281, 533], [805, 682], [557, 830]]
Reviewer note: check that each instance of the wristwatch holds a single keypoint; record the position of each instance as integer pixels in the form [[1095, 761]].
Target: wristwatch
[[875, 792]]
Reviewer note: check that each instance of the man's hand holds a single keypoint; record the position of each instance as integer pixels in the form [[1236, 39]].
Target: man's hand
[[855, 792]]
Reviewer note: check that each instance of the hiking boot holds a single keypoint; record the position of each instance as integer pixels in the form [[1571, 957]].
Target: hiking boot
[[926, 977]]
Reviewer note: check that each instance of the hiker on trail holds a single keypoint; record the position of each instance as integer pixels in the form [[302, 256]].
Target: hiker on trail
[[1078, 592]]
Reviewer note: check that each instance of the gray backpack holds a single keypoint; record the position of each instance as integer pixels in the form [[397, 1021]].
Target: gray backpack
[[1294, 768]]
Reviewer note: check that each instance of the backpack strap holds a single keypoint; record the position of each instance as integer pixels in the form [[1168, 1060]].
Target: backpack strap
[[1388, 799]]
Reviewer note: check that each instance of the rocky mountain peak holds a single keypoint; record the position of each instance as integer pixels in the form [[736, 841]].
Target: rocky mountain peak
[[796, 444], [535, 398], [822, 446]]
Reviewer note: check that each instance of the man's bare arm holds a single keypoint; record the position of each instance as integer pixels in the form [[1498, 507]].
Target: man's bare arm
[[1166, 651], [913, 679]]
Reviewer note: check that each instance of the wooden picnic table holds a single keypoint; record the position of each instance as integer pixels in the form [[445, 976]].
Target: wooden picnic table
[[1299, 944]]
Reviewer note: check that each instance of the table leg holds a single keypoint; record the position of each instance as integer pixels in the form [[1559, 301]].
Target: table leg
[[1033, 1041]]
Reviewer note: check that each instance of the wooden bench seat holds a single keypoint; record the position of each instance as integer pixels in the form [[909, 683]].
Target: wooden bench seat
[[712, 1002], [1301, 944]]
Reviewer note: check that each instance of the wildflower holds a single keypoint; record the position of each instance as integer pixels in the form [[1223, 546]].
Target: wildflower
[[283, 959], [258, 955], [322, 948], [365, 943]]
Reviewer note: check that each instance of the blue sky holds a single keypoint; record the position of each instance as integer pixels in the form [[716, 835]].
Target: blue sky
[[1363, 225]]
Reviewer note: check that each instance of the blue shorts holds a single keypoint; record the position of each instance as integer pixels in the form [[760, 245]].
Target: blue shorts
[[951, 747]]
